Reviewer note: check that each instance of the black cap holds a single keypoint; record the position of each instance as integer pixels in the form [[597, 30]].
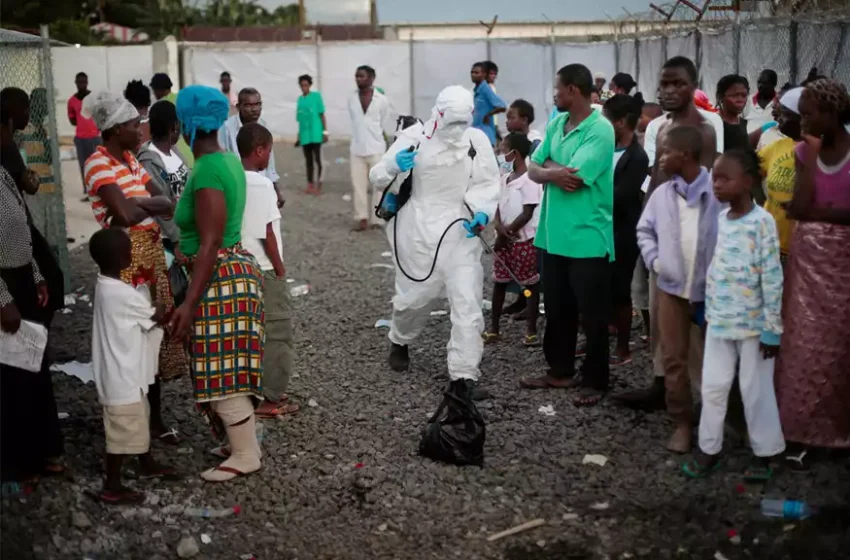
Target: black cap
[[161, 81]]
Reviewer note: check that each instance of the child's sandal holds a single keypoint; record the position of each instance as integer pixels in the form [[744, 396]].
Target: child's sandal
[[697, 469], [491, 337], [531, 340]]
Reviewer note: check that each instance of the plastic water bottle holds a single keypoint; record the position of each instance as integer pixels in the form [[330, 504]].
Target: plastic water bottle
[[210, 513], [788, 509], [297, 291]]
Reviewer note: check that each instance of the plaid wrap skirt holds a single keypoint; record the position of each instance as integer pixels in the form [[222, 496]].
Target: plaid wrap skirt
[[226, 342]]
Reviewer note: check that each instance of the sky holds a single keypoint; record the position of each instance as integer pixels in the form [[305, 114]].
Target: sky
[[464, 11]]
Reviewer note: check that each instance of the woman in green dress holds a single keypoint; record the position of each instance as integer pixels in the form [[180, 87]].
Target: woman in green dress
[[312, 131]]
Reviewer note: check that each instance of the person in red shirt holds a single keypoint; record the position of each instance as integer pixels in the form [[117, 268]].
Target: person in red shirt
[[87, 136]]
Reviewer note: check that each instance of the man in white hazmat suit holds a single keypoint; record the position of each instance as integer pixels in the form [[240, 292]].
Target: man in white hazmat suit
[[455, 187]]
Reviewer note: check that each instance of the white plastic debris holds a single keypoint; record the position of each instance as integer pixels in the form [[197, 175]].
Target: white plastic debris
[[547, 410], [70, 299], [65, 311], [439, 313], [290, 280], [387, 254], [383, 324], [735, 539], [82, 371], [205, 538], [84, 297], [542, 309], [297, 291], [600, 506], [720, 556], [312, 403], [486, 305], [187, 548], [382, 527], [570, 516], [594, 460], [346, 197], [381, 265], [63, 415]]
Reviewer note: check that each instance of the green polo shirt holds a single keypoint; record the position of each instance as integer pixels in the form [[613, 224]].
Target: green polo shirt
[[579, 224]]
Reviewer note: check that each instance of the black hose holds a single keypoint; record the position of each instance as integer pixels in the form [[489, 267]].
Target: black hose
[[436, 253]]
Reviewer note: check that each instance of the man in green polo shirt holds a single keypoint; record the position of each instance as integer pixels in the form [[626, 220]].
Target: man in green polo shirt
[[575, 162]]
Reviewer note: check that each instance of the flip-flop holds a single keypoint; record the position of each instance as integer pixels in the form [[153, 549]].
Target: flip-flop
[[589, 397], [758, 473], [222, 468], [531, 340], [121, 497], [616, 361], [279, 410], [693, 469], [490, 337]]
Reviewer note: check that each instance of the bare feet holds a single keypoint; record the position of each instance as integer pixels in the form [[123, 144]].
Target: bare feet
[[548, 382], [680, 441]]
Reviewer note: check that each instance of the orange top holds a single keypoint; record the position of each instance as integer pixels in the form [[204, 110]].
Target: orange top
[[103, 169]]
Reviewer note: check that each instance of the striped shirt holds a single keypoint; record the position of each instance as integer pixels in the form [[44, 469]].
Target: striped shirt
[[103, 169]]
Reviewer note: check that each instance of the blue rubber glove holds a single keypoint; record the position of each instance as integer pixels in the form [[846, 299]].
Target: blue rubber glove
[[474, 227], [404, 160], [390, 203]]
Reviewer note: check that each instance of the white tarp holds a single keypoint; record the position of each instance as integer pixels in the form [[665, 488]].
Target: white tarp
[[651, 53], [272, 70], [525, 72], [339, 61], [107, 68], [440, 64], [718, 60]]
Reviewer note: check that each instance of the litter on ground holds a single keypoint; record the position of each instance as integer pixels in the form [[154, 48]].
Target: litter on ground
[[594, 460], [547, 410]]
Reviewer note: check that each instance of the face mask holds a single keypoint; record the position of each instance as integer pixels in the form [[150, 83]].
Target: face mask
[[505, 167]]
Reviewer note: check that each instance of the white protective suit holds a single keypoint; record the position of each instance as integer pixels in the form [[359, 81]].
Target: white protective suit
[[445, 181]]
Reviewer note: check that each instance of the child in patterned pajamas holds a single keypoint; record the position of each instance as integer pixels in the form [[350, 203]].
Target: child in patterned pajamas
[[742, 307]]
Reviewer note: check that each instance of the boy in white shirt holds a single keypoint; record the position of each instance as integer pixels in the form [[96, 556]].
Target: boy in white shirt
[[516, 225], [261, 237], [125, 349]]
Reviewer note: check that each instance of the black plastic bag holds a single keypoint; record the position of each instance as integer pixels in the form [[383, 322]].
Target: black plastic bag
[[179, 283], [456, 437]]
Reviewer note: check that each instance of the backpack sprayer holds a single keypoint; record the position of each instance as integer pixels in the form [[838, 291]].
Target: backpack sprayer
[[403, 122]]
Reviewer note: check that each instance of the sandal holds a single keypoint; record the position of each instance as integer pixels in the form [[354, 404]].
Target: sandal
[[209, 475], [277, 410], [695, 469], [122, 497], [617, 361], [531, 340], [797, 463], [758, 472], [589, 397], [491, 337], [170, 437]]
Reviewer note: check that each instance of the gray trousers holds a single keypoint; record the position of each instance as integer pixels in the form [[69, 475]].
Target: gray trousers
[[278, 352], [85, 147]]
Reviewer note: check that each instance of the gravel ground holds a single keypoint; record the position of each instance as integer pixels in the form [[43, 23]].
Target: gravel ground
[[342, 479]]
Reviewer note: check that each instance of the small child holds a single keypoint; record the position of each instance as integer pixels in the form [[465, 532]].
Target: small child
[[125, 349], [519, 117], [742, 307], [261, 237], [516, 225], [676, 234]]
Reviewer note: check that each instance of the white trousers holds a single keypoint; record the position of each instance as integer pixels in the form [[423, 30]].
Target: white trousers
[[364, 196], [755, 377]]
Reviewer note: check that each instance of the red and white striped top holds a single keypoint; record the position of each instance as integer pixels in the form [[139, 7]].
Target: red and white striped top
[[103, 169]]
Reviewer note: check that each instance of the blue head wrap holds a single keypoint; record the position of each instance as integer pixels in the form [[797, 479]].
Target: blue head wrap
[[201, 108]]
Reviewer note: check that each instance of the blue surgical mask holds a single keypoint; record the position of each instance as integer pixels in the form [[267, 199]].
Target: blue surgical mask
[[505, 167]]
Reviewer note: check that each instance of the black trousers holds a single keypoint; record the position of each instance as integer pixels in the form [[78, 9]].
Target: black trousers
[[577, 288], [313, 156], [29, 426]]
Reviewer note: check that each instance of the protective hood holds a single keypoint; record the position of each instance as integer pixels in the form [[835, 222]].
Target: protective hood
[[451, 115]]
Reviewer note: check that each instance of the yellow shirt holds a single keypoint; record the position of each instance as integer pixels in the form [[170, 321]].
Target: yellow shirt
[[777, 167]]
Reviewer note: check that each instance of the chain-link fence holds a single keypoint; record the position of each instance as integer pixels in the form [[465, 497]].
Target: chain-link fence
[[791, 47], [25, 63]]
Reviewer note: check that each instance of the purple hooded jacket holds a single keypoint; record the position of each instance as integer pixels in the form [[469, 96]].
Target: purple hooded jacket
[[660, 237]]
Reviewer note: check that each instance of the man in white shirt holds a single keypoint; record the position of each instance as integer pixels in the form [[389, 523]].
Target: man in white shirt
[[250, 106], [759, 109], [262, 238], [371, 116]]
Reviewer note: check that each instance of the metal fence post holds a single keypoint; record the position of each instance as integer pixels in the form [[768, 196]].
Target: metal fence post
[[842, 42], [637, 60], [317, 39], [793, 69], [664, 40], [698, 54], [56, 201], [411, 67], [736, 45]]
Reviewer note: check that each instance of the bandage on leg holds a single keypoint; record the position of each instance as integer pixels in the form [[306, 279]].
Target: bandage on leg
[[238, 417]]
